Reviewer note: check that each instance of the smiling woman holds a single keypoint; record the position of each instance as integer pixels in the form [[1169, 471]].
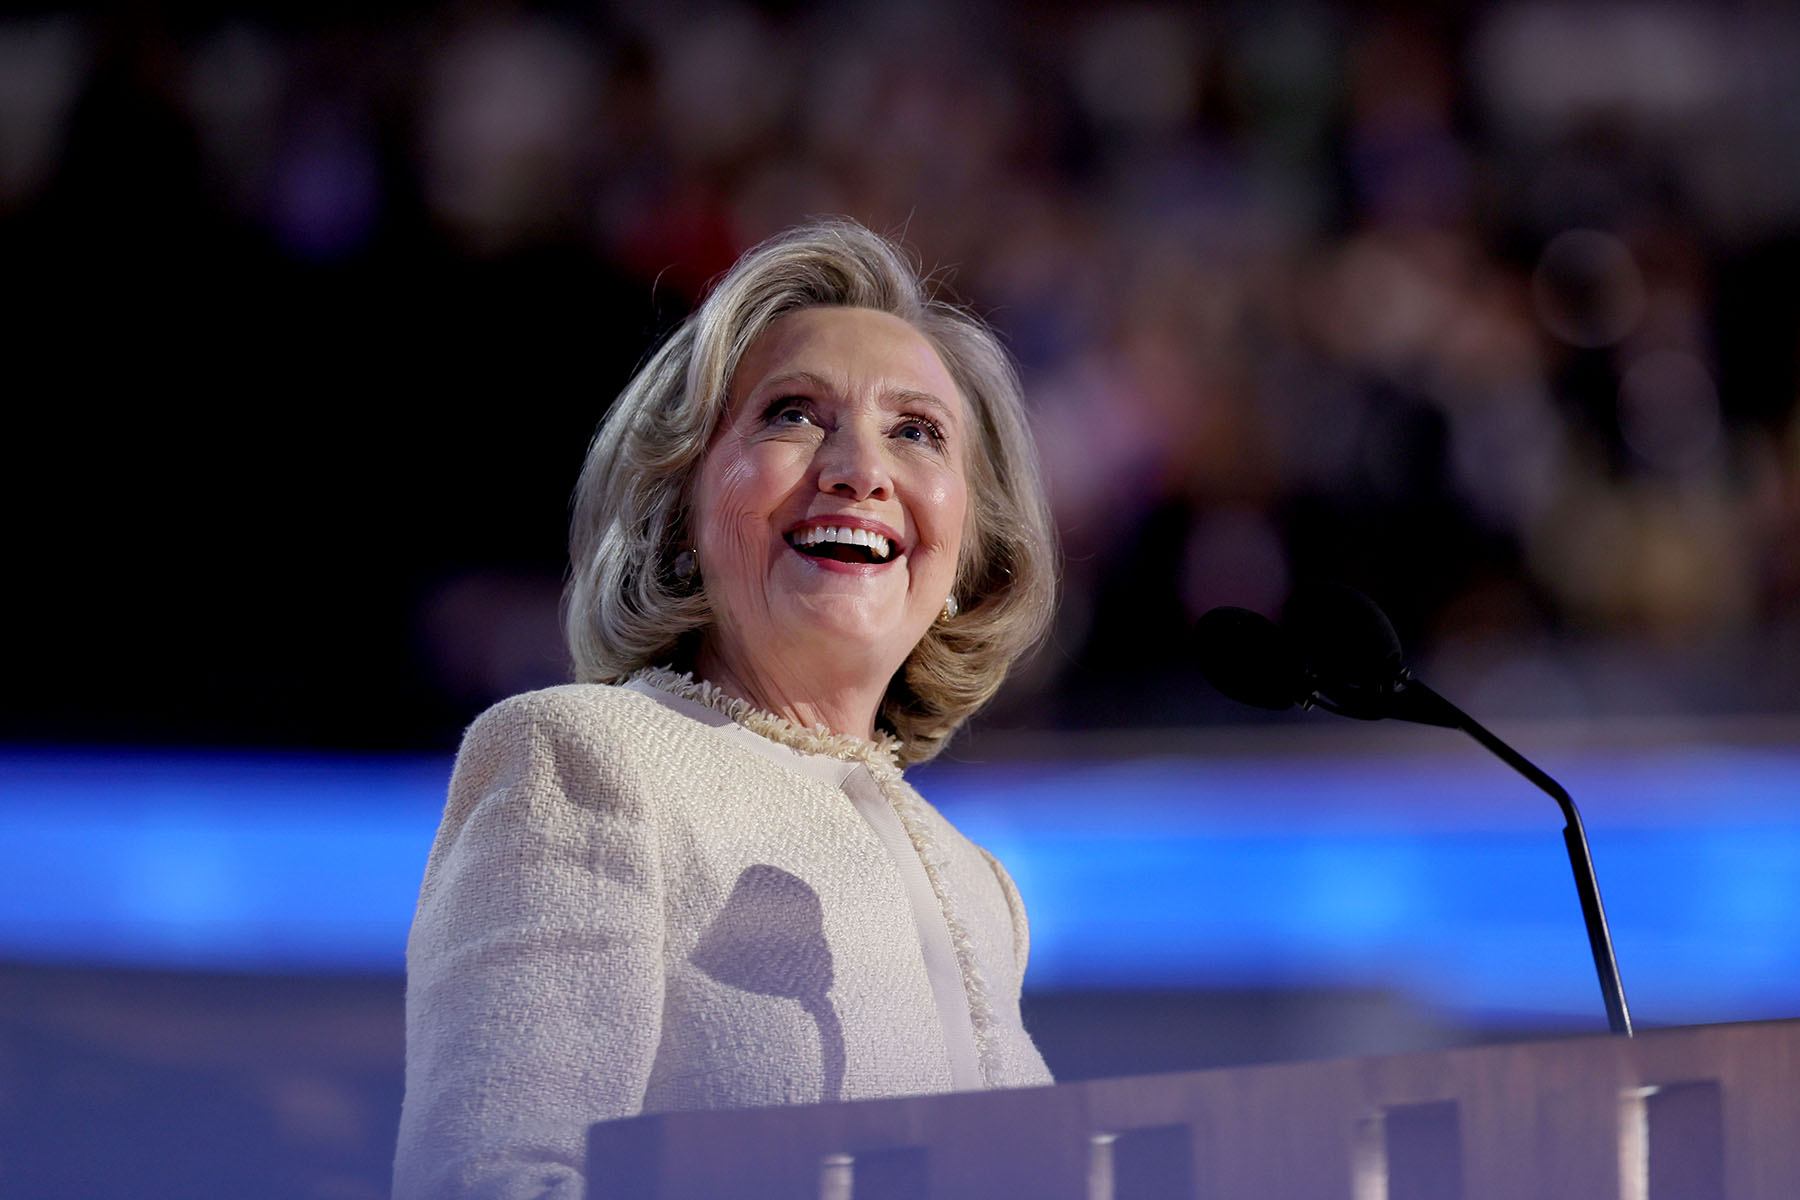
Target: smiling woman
[[845, 432], [630, 601], [809, 540]]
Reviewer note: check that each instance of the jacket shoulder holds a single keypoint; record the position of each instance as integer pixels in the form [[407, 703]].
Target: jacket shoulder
[[569, 704], [581, 719], [549, 739]]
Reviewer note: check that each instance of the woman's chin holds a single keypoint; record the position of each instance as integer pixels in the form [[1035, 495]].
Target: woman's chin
[[847, 637]]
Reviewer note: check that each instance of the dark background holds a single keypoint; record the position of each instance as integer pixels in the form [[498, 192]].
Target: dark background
[[314, 311], [1486, 309]]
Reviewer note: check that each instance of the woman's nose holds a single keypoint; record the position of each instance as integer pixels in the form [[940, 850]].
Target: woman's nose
[[851, 464]]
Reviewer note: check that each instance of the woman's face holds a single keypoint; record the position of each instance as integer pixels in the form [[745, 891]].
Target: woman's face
[[829, 510]]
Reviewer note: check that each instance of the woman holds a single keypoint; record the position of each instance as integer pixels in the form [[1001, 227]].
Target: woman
[[808, 541]]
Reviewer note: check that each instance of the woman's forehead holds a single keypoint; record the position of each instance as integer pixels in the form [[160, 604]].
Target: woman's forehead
[[848, 350]]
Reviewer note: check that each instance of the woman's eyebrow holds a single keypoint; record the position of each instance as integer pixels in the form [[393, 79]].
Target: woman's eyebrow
[[910, 398], [805, 380]]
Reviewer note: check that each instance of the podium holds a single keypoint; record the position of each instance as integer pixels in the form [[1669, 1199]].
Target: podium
[[1702, 1113]]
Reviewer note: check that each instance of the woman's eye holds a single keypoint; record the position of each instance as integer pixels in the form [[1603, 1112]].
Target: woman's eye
[[918, 429], [788, 411]]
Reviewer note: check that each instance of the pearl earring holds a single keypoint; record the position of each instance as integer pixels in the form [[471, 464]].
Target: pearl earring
[[951, 608]]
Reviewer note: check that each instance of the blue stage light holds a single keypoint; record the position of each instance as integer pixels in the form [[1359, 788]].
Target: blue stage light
[[1439, 876]]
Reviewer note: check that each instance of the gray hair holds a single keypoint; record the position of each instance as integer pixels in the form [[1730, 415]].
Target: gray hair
[[624, 606]]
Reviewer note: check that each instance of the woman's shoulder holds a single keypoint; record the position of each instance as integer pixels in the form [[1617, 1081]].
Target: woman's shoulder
[[595, 723], [565, 705], [626, 725]]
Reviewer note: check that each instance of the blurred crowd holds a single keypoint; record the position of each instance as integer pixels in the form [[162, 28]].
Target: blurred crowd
[[1490, 314]]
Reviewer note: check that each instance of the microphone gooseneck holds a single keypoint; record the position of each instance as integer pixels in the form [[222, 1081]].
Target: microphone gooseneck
[[1336, 650]]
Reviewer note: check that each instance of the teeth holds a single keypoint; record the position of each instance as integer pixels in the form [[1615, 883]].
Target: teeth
[[877, 545]]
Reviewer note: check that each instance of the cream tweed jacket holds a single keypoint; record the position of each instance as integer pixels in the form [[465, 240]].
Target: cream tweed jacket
[[652, 897]]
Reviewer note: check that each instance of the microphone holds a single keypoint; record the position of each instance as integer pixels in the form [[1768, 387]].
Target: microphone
[[1349, 642], [1243, 655], [1333, 650], [1336, 650], [1355, 659]]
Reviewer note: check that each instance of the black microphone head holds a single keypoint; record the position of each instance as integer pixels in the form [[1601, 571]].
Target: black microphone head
[[1348, 643], [1246, 657]]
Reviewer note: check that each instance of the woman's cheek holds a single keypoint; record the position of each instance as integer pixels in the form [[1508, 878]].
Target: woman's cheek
[[947, 506]]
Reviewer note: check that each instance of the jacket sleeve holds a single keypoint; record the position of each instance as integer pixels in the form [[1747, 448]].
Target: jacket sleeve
[[534, 968], [1015, 909]]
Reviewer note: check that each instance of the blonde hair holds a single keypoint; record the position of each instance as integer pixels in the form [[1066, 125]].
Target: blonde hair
[[624, 607]]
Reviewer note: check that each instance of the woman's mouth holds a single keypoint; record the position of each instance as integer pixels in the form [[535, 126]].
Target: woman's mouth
[[843, 544]]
